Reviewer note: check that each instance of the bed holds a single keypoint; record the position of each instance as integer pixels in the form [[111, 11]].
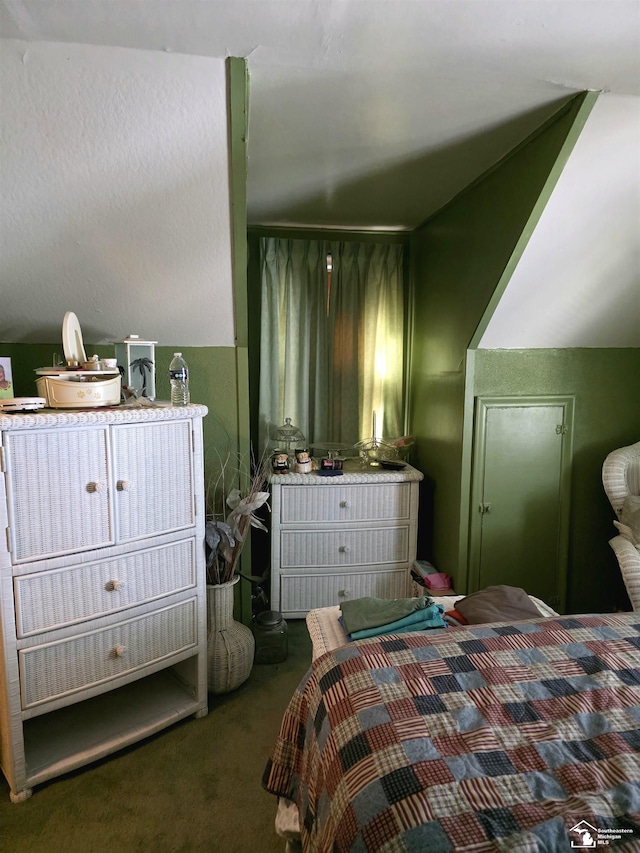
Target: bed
[[517, 736], [327, 633]]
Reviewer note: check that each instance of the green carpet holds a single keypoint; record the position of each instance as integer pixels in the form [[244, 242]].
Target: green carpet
[[193, 787]]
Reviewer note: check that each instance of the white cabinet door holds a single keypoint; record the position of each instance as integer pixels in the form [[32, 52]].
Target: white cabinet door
[[58, 492], [153, 470]]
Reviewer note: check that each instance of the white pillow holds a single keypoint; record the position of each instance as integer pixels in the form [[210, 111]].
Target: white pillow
[[629, 524]]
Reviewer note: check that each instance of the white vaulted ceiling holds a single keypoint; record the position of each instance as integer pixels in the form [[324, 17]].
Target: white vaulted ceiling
[[374, 113], [371, 112]]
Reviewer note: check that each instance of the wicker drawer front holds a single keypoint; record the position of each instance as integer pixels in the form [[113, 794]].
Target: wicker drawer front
[[306, 592], [386, 501], [344, 547], [78, 663], [53, 599]]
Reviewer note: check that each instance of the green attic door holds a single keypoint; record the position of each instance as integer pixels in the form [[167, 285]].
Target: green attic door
[[462, 259]]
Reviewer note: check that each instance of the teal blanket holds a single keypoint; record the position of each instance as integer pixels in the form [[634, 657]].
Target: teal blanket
[[361, 613], [429, 617]]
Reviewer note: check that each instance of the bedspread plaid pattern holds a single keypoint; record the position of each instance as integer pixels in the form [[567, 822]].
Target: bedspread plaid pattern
[[478, 738]]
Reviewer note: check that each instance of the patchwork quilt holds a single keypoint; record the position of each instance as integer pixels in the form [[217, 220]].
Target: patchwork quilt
[[521, 737]]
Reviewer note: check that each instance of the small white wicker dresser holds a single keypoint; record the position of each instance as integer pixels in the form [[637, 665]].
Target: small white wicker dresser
[[102, 584], [342, 537]]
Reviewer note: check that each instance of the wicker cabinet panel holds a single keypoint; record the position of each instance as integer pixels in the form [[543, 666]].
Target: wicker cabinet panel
[[153, 478], [52, 599], [344, 547], [60, 668], [58, 492], [388, 501], [300, 593]]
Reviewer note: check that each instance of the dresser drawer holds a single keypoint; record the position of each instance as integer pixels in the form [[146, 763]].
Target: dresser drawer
[[340, 547], [53, 599], [78, 663], [379, 502], [300, 593]]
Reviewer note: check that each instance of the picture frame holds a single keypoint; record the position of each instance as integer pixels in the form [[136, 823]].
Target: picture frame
[[6, 379]]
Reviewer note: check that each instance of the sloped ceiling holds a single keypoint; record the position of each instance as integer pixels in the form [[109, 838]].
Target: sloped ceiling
[[369, 113], [578, 281], [374, 113]]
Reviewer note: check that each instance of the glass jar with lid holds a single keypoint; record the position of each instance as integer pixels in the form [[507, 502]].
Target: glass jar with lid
[[270, 632]]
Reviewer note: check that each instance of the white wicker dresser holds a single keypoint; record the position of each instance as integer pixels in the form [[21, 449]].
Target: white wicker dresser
[[341, 537], [102, 587]]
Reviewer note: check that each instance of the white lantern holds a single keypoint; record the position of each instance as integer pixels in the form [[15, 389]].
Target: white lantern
[[137, 364]]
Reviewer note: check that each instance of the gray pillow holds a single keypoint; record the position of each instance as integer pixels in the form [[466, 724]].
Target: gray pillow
[[499, 603]]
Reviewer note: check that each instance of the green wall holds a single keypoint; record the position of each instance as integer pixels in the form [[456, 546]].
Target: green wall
[[606, 417], [462, 259]]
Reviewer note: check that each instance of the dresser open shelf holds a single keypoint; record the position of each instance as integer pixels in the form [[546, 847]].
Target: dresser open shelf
[[71, 737]]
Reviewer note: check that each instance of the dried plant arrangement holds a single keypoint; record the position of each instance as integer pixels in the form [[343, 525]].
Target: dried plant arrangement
[[234, 493]]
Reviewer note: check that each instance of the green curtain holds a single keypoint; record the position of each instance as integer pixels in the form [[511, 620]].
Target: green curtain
[[332, 349]]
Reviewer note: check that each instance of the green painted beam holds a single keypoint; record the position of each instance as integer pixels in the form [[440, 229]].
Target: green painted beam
[[238, 106]]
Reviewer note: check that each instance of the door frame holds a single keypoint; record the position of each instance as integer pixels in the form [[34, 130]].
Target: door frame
[[482, 404]]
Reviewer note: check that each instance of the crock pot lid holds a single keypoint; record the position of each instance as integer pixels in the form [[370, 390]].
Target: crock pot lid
[[72, 339]]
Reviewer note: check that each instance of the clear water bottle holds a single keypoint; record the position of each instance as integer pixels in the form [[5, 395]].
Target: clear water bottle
[[179, 379]]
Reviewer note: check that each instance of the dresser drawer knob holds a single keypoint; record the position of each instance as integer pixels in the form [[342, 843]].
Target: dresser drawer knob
[[97, 488], [343, 549], [125, 486], [114, 586], [344, 504], [119, 651]]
